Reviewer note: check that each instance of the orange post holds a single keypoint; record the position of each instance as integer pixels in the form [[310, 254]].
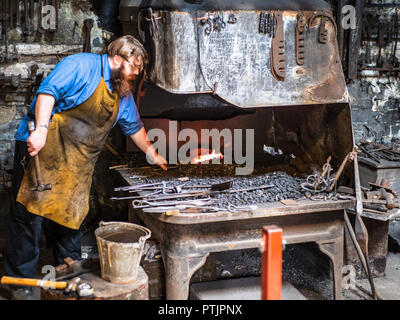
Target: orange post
[[271, 263]]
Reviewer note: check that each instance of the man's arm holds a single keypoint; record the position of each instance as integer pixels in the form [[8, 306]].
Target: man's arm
[[141, 139], [43, 109]]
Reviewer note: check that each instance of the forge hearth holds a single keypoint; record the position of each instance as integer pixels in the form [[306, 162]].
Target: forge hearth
[[262, 186]]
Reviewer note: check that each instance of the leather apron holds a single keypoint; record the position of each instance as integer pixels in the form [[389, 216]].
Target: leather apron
[[74, 141]]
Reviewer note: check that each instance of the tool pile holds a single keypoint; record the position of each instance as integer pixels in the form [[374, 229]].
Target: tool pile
[[69, 281], [378, 152], [211, 187]]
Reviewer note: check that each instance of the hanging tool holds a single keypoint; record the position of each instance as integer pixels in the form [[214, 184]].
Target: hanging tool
[[395, 24], [367, 37], [36, 81], [31, 10], [323, 32], [340, 31], [300, 32], [355, 41], [40, 8], [17, 13], [83, 290], [26, 14], [40, 187], [278, 60], [88, 25], [381, 43], [11, 14]]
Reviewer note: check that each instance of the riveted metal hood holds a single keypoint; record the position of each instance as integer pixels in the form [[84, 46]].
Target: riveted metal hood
[[220, 48]]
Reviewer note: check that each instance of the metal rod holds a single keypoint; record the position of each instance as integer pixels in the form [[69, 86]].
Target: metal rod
[[129, 188], [361, 233], [11, 13]]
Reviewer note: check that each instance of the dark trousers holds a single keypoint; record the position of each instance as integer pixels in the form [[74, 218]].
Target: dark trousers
[[21, 253]]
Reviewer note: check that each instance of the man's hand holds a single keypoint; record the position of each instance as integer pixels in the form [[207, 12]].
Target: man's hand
[[141, 139], [36, 141], [159, 161]]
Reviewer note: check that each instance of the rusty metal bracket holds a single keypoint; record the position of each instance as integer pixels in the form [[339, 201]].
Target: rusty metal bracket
[[323, 33], [278, 61], [300, 49], [326, 15]]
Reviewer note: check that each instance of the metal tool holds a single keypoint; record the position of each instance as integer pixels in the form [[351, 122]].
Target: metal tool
[[340, 31], [26, 14], [278, 61], [40, 7], [300, 32], [72, 269], [136, 197], [36, 81], [138, 187], [349, 157], [395, 36], [360, 230], [233, 208], [146, 203], [355, 41], [17, 12], [367, 32], [381, 43], [88, 25], [40, 187], [323, 32], [320, 181]]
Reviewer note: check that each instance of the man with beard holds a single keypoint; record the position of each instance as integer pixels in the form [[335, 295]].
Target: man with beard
[[74, 110]]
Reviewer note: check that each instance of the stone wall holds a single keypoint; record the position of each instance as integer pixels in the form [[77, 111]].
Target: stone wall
[[375, 95]]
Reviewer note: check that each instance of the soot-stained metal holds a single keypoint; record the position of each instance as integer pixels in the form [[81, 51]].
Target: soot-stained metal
[[218, 49]]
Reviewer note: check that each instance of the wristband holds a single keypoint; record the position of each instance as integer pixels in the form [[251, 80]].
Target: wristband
[[44, 126]]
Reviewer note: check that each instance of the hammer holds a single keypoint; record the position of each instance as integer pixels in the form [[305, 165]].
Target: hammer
[[40, 187], [82, 289]]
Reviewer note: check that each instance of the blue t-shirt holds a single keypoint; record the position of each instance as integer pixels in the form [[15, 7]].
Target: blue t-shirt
[[73, 81]]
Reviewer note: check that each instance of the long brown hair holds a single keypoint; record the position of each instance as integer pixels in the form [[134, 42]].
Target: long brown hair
[[128, 46]]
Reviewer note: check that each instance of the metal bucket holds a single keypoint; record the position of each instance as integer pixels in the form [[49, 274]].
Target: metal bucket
[[120, 247]]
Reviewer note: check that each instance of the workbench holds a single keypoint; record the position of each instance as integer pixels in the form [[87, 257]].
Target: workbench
[[187, 239]]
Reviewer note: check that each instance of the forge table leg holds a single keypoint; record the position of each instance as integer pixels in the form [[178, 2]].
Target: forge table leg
[[334, 250], [178, 272]]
